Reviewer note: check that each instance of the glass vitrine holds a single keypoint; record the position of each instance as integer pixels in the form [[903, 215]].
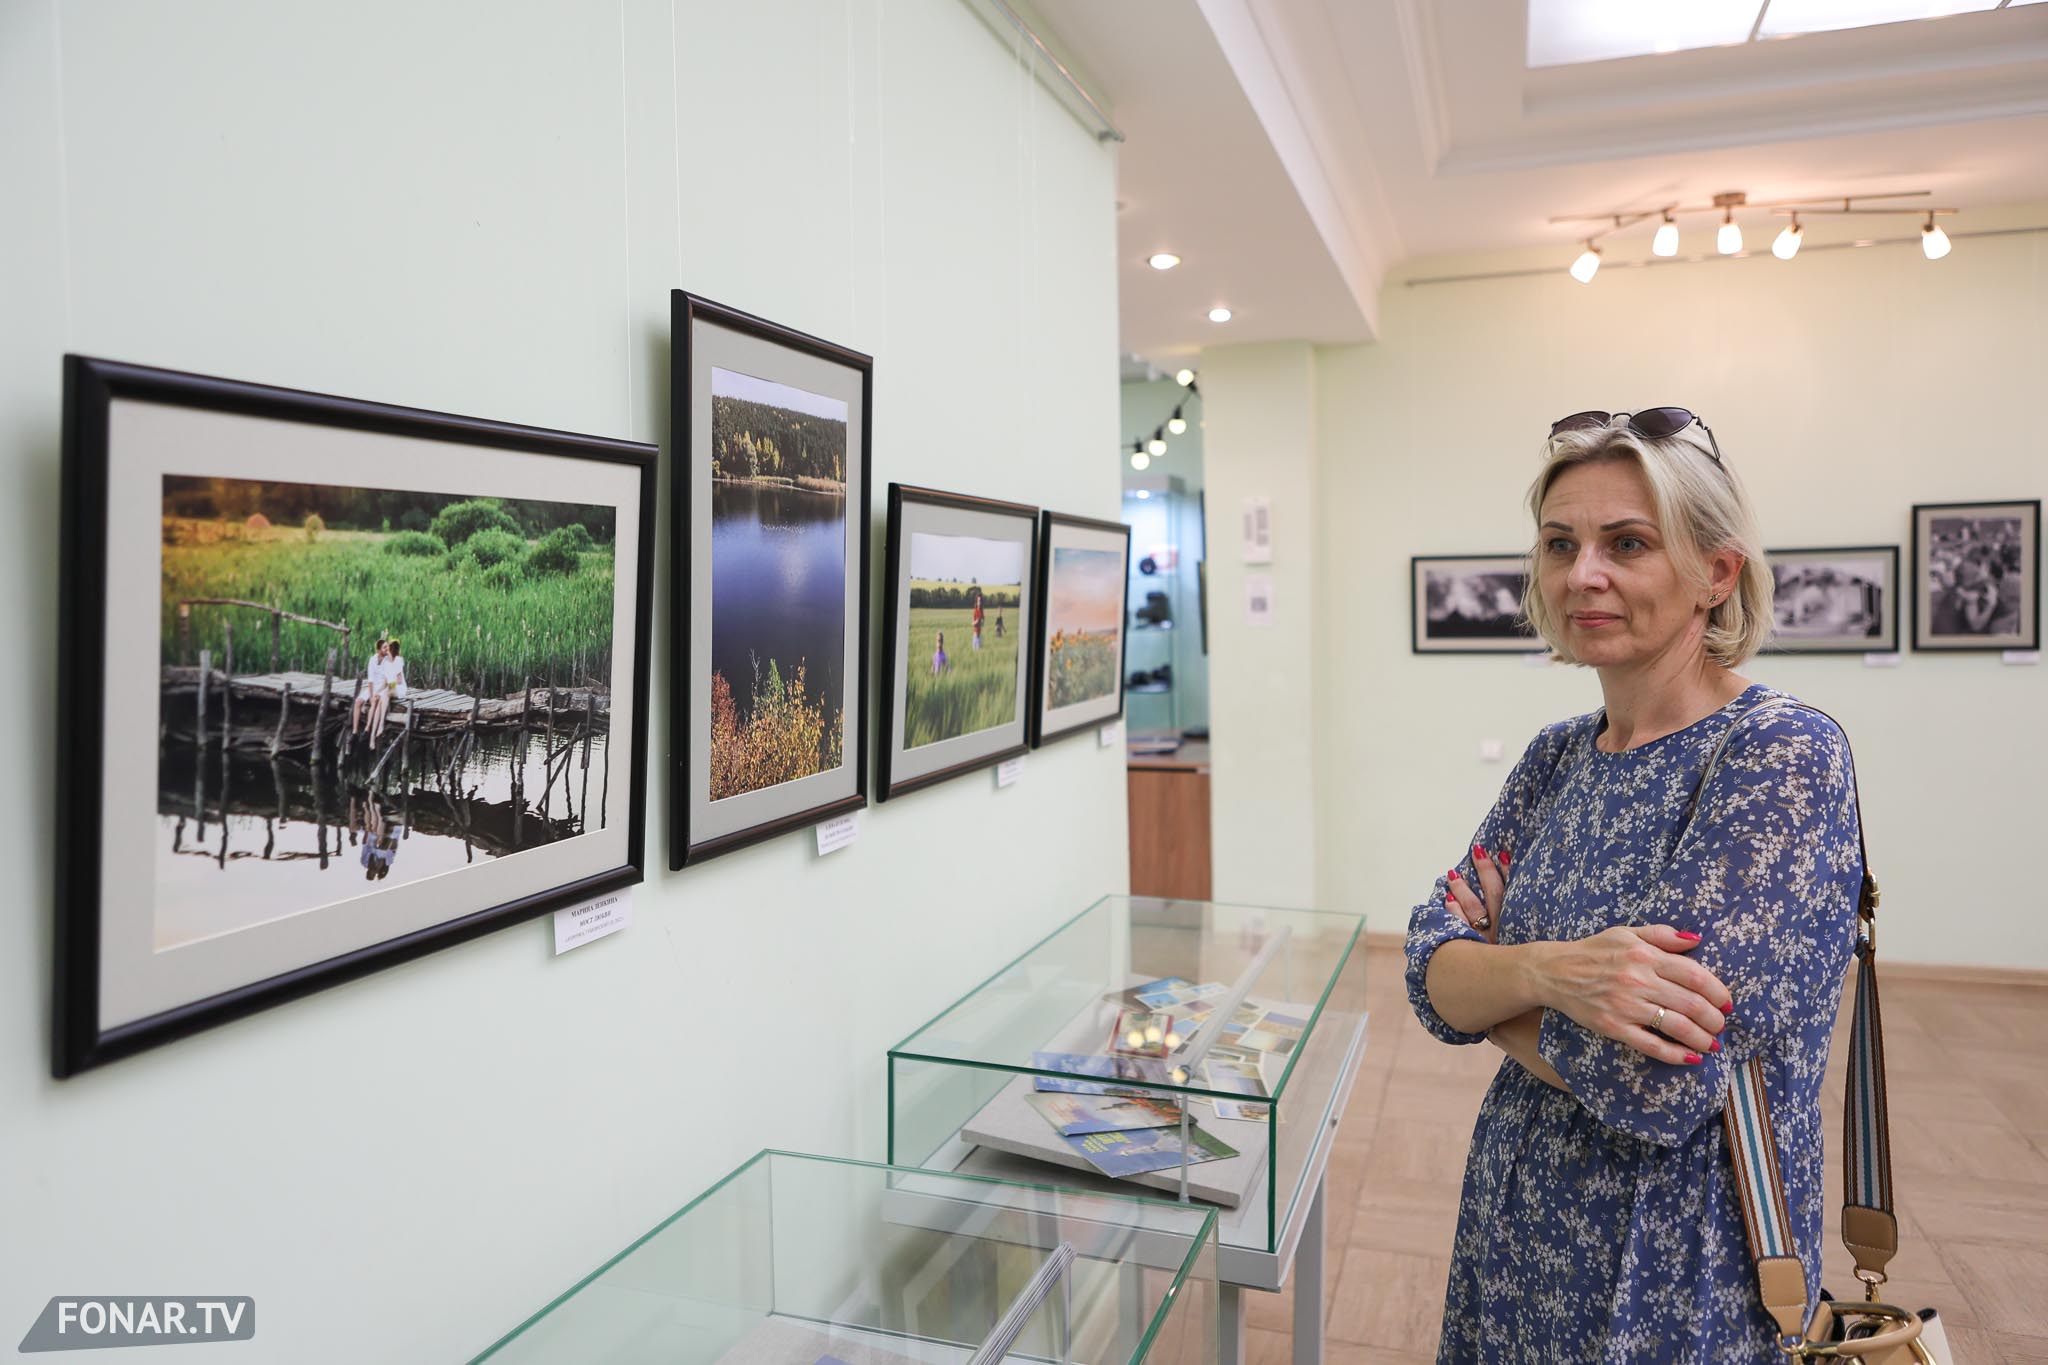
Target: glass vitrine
[[802, 1260], [1184, 1048]]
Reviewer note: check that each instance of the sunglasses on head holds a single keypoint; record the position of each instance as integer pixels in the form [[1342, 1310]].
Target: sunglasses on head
[[1652, 424]]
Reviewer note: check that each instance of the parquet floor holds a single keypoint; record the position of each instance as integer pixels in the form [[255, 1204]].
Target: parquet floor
[[1969, 1104]]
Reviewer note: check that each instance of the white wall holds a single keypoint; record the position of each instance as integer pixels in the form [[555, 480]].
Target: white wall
[[1261, 441], [480, 208], [1843, 387]]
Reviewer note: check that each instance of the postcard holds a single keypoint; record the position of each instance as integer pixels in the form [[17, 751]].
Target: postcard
[[1138, 1069], [1148, 1149], [1273, 1032], [1133, 998], [1143, 1033], [1074, 1115], [1238, 1109], [1231, 1076]]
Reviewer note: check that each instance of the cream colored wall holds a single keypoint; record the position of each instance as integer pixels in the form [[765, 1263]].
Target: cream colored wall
[[481, 209], [1843, 386]]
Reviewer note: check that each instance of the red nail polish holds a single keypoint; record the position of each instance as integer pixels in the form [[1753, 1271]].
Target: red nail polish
[[1688, 937], [1478, 853], [1714, 1046], [1503, 859], [1692, 1059], [1728, 1008], [1455, 876]]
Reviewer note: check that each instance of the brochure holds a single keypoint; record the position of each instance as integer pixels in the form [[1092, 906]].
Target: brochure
[[1074, 1115], [1138, 1069], [1148, 1149]]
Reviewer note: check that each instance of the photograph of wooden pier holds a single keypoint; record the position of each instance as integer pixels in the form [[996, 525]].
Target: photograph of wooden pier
[[361, 688]]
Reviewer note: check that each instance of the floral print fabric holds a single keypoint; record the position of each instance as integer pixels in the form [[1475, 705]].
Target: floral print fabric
[[1603, 1224]]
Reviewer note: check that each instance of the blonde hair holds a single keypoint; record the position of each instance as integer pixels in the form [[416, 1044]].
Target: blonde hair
[[1701, 508]]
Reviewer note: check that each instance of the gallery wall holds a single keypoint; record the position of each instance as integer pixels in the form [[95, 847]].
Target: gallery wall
[[1843, 387], [480, 210]]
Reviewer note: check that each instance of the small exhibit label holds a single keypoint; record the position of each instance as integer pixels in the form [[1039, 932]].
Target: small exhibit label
[[1110, 734], [1258, 599], [838, 832], [594, 919], [1881, 659], [1008, 771], [2022, 656], [1258, 530]]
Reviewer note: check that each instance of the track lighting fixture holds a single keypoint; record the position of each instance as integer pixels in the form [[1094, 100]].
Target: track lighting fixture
[[1933, 240], [1787, 244], [1587, 266], [1665, 243], [1728, 239]]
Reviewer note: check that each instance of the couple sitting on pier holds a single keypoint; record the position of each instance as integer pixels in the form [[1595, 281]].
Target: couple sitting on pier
[[386, 673]]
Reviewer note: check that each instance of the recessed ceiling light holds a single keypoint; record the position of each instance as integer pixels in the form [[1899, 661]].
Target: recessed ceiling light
[[1164, 260], [1219, 315]]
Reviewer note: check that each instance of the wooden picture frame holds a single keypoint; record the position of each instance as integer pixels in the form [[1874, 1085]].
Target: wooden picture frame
[[770, 431], [1073, 604], [1977, 576], [964, 550], [170, 483]]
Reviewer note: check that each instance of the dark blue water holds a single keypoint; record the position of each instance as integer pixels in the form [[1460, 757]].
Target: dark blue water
[[778, 588]]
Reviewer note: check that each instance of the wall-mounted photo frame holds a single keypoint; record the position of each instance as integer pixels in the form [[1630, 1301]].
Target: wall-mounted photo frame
[[1469, 604], [1977, 575], [958, 598], [1078, 629], [1835, 600], [300, 736], [769, 578]]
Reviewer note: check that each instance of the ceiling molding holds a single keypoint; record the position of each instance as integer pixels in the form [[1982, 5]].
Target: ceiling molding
[[1425, 86], [1265, 80]]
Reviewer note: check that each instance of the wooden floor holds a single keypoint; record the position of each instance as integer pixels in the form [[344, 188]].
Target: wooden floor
[[1969, 1106]]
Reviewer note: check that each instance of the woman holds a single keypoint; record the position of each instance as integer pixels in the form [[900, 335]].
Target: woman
[[1624, 955], [373, 684], [390, 688]]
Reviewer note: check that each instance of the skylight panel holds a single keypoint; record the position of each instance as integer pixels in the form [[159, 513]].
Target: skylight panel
[[1562, 32]]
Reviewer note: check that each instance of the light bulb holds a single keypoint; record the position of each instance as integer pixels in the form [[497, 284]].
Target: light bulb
[[1155, 447], [1144, 493], [1134, 1040], [1588, 264], [1787, 244], [1173, 1041], [1177, 425], [1219, 315], [1184, 378], [1665, 243], [1165, 260], [1140, 460], [1153, 1033], [1934, 241], [1728, 240]]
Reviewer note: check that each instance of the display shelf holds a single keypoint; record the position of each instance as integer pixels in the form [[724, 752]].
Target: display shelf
[[801, 1260], [960, 1087]]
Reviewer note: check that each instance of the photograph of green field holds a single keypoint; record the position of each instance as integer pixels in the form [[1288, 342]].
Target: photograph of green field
[[962, 654], [1083, 623]]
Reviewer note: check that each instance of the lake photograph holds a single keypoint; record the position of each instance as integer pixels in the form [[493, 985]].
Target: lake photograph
[[778, 583]]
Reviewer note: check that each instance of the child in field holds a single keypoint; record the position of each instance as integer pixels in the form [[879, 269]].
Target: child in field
[[940, 663], [977, 618], [999, 623]]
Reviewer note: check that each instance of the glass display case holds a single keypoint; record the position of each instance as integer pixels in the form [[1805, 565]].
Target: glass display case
[[1166, 683], [800, 1260], [1184, 1048]]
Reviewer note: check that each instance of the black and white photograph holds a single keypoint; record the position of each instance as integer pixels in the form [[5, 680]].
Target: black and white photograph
[[344, 682], [1976, 576], [1836, 600], [1470, 604]]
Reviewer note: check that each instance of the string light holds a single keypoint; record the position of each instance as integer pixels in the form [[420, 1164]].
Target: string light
[[1140, 461], [1155, 447], [1176, 425], [1184, 378], [1144, 450]]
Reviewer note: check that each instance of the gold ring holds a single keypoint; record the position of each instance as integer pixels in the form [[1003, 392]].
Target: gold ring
[[1657, 1024]]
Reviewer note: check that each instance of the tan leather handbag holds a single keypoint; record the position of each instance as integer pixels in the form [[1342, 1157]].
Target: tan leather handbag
[[1872, 1332]]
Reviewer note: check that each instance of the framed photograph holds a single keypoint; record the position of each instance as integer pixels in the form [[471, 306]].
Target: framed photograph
[[1077, 652], [1470, 604], [1835, 601], [769, 591], [340, 684], [956, 671], [1977, 575]]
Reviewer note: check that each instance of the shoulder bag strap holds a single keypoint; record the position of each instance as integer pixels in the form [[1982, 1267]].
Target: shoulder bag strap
[[1869, 1229]]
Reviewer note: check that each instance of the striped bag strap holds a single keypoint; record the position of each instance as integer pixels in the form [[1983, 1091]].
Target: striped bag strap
[[1869, 1229]]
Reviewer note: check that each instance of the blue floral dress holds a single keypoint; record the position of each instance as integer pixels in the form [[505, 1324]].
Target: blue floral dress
[[1603, 1224]]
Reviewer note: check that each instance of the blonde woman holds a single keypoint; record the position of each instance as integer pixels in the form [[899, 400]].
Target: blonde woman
[[1625, 955]]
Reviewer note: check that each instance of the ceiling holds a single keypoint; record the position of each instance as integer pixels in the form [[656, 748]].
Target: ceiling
[[1292, 152]]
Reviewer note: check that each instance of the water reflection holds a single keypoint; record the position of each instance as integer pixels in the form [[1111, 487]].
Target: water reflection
[[245, 839]]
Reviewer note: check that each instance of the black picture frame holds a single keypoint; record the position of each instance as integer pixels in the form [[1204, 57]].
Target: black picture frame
[[1520, 639], [689, 843], [1049, 523], [1886, 642], [92, 387], [888, 784], [1926, 638]]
